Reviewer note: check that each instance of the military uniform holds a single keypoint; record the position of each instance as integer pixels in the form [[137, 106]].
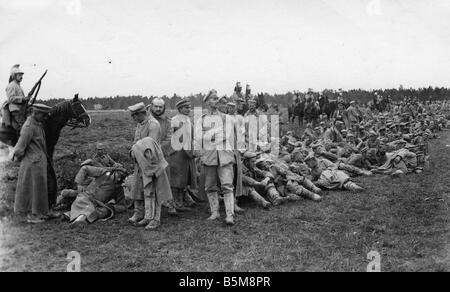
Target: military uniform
[[99, 196], [32, 192], [15, 104], [218, 168], [148, 128]]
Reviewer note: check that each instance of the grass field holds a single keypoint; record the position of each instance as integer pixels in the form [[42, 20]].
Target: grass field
[[405, 219]]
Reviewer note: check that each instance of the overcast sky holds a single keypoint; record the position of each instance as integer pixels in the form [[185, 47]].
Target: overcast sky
[[153, 47]]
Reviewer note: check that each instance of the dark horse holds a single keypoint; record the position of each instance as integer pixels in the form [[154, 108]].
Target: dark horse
[[327, 106], [299, 111], [67, 113]]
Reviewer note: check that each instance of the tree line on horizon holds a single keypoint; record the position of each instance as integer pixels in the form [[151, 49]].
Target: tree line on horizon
[[363, 96]]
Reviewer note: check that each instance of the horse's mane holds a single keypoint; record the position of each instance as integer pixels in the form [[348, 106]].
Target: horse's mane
[[63, 106]]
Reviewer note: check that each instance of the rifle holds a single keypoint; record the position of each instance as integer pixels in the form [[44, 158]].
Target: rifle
[[36, 88]]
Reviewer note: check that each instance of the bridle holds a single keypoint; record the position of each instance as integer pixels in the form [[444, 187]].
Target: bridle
[[79, 112]]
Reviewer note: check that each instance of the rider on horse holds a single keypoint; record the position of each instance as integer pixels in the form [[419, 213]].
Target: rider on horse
[[14, 109]]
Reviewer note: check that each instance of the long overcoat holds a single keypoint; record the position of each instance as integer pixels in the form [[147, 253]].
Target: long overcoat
[[32, 190]]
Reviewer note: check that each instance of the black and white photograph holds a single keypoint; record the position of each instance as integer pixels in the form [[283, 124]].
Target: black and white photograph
[[254, 136]]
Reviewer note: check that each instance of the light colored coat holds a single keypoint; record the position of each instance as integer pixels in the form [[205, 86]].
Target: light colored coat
[[152, 166], [148, 128], [31, 192], [213, 157], [15, 96]]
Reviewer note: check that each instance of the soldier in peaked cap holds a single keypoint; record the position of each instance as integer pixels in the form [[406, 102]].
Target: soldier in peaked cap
[[147, 126], [217, 163], [181, 161], [231, 108], [31, 197]]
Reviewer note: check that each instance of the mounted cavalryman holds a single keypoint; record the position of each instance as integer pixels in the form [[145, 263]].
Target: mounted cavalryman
[[14, 109]]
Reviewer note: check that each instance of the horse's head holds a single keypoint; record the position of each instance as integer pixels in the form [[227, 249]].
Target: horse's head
[[80, 118]]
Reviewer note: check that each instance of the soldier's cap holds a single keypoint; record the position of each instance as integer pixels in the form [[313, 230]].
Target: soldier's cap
[[39, 107], [16, 70], [211, 93], [231, 104], [263, 159], [252, 100], [87, 162], [361, 127], [250, 154], [350, 134], [100, 146], [322, 123], [344, 131], [309, 157], [137, 108], [182, 103], [317, 129], [340, 123], [240, 98], [223, 98]]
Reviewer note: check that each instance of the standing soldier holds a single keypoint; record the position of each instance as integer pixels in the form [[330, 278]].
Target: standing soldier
[[182, 162], [353, 116], [157, 110], [218, 164], [31, 196], [14, 108], [152, 180], [147, 126]]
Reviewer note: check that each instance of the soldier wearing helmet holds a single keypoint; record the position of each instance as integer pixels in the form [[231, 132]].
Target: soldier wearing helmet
[[13, 109]]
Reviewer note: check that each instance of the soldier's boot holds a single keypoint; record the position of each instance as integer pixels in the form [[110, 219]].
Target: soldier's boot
[[354, 169], [259, 199], [149, 203], [274, 196], [156, 221], [138, 213], [178, 200], [229, 208], [351, 186], [293, 197], [213, 199], [189, 202], [307, 194], [311, 186]]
